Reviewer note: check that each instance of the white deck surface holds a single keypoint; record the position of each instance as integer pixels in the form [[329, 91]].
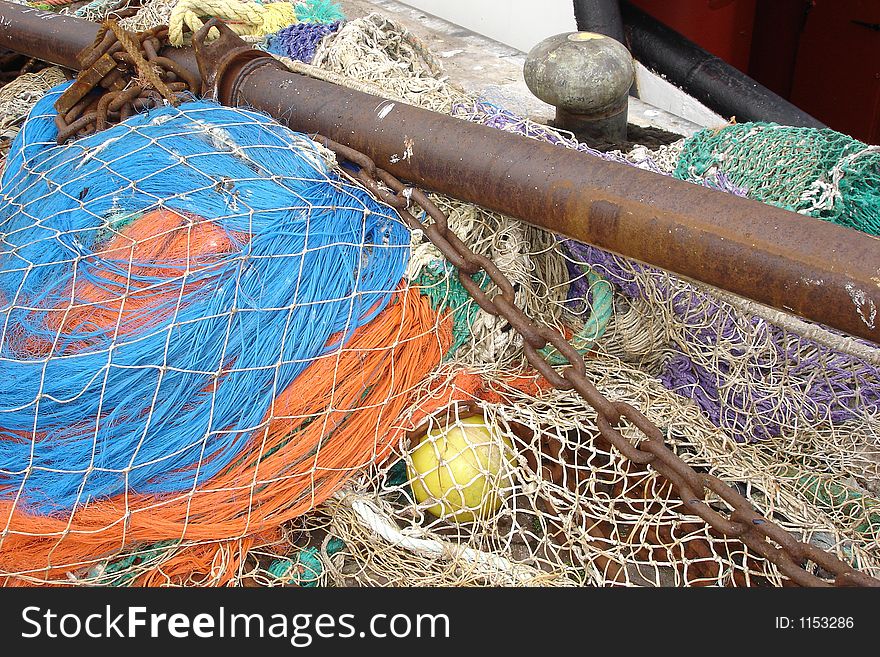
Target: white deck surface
[[493, 70]]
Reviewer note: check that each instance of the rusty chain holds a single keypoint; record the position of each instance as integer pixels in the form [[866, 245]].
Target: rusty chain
[[761, 535], [121, 74]]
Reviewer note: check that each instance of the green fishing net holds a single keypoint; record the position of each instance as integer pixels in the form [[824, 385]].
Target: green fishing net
[[818, 172]]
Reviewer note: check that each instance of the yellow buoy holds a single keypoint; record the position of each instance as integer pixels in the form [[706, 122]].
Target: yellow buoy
[[461, 467]]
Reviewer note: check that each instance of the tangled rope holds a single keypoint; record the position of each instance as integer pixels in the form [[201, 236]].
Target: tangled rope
[[318, 11], [299, 42], [19, 96], [199, 308], [645, 330], [245, 17], [705, 368], [819, 172]]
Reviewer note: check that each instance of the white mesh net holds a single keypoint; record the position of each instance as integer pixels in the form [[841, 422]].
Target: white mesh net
[[188, 285]]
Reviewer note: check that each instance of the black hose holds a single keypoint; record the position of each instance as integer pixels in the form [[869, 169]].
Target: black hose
[[601, 17], [715, 83]]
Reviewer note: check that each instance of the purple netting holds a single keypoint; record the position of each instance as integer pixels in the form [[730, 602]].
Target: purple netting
[[493, 116], [790, 380], [299, 41]]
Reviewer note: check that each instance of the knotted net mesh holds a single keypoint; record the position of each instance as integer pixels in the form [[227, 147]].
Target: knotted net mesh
[[819, 172], [233, 366]]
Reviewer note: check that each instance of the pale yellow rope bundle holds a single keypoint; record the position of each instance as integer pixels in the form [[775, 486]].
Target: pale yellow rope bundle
[[246, 19]]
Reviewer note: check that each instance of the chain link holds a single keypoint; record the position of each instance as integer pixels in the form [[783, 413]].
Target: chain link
[[122, 73], [742, 522]]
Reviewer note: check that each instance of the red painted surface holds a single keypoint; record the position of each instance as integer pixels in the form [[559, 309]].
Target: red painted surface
[[812, 52], [779, 25], [837, 73], [723, 27]]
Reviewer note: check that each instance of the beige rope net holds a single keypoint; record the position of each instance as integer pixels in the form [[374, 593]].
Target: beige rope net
[[575, 512], [18, 97], [538, 497]]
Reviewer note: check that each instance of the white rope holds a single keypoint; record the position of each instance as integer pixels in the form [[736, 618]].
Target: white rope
[[496, 567], [822, 194]]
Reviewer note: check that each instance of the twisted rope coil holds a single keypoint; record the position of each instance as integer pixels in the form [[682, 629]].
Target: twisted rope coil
[[244, 17]]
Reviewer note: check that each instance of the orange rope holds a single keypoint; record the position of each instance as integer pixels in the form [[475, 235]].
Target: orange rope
[[335, 418], [162, 244]]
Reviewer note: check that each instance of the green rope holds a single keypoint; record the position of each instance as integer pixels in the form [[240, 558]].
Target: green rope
[[305, 567], [601, 304], [121, 571], [820, 172], [98, 7], [318, 11], [440, 283], [397, 474], [114, 224], [839, 498]]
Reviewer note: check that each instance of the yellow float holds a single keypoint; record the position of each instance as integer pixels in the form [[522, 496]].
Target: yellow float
[[462, 467]]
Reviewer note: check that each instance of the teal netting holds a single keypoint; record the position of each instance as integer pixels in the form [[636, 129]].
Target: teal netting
[[819, 172]]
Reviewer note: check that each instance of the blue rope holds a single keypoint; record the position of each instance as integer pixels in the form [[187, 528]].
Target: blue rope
[[139, 413], [299, 41]]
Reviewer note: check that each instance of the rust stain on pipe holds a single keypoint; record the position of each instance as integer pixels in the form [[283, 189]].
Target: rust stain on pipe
[[763, 253], [815, 269]]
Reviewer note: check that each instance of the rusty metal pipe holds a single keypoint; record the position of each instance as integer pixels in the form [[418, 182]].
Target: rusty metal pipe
[[812, 268], [59, 38]]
